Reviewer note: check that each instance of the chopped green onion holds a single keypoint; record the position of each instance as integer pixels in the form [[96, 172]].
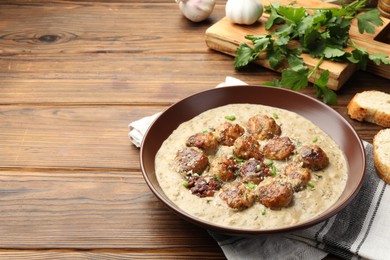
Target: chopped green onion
[[310, 185], [239, 159], [250, 185], [258, 167], [231, 118], [315, 139], [273, 169], [186, 184], [275, 116], [263, 211], [269, 162]]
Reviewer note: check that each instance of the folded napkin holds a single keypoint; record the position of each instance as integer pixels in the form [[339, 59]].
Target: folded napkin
[[361, 230]]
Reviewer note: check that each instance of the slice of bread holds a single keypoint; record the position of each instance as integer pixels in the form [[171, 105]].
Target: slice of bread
[[371, 106], [381, 144]]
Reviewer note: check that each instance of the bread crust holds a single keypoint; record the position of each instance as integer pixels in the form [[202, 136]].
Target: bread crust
[[361, 112], [355, 111], [379, 143]]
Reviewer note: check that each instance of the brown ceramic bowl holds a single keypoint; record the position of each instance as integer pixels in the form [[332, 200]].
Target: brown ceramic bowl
[[317, 112]]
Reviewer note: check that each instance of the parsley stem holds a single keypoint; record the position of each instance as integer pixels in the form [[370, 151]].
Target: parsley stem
[[314, 70]]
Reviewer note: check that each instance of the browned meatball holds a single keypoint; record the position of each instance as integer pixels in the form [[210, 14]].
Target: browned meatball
[[224, 168], [246, 146], [278, 148], [313, 157], [297, 176], [263, 127], [205, 141], [274, 193], [191, 160], [202, 186], [227, 133], [237, 195], [254, 171]]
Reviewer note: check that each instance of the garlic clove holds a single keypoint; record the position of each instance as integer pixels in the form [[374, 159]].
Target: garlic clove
[[196, 10], [243, 11]]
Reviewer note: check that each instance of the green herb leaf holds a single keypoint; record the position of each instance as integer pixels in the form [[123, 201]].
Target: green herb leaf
[[245, 55], [322, 80], [379, 58], [328, 95], [292, 14], [274, 17], [295, 78], [322, 33], [366, 21], [331, 53], [274, 83], [359, 56]]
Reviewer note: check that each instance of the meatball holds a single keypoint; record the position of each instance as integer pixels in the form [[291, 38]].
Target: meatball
[[274, 193], [278, 148], [297, 176], [202, 186], [254, 171], [224, 168], [313, 157], [227, 133], [205, 141], [263, 127], [246, 146], [237, 195], [191, 160]]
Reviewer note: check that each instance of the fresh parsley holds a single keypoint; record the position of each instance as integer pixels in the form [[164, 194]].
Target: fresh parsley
[[323, 33]]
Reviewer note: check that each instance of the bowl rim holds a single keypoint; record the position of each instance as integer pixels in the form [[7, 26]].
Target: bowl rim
[[249, 232]]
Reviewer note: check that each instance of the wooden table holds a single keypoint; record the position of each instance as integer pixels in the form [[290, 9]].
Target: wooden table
[[73, 75]]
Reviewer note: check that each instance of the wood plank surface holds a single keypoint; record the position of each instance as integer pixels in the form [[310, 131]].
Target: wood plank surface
[[63, 210], [73, 75], [70, 27], [129, 78]]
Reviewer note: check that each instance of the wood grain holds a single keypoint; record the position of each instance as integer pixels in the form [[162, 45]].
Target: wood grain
[[129, 78], [64, 210], [70, 27]]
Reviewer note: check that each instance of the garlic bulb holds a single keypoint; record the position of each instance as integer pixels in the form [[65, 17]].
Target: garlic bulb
[[243, 11], [196, 10]]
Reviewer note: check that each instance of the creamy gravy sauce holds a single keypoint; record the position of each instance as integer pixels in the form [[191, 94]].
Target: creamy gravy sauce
[[306, 204]]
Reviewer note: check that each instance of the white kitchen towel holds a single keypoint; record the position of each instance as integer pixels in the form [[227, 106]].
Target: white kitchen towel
[[361, 230]]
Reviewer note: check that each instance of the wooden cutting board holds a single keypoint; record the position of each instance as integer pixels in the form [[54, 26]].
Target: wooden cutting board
[[225, 37]]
